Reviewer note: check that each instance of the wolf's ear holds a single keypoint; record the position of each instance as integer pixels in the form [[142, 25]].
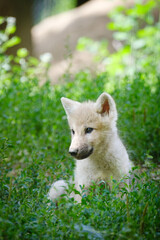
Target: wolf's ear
[[105, 105], [69, 105]]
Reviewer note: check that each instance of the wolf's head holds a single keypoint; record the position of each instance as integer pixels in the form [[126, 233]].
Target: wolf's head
[[91, 124]]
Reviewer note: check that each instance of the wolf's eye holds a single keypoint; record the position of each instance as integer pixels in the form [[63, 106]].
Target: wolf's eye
[[88, 130], [72, 131]]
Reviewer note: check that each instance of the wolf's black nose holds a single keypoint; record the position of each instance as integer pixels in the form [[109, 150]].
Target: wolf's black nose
[[74, 152]]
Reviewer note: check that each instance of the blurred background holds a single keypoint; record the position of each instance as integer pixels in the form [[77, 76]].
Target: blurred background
[[29, 13], [55, 26]]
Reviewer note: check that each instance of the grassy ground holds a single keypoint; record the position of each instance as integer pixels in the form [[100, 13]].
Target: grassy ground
[[34, 152]]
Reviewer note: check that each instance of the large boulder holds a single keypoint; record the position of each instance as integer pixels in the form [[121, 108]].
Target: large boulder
[[59, 35]]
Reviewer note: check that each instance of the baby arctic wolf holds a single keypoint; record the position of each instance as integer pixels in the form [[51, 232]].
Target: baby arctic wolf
[[95, 144]]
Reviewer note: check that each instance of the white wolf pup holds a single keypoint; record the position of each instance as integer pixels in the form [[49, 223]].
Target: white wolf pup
[[95, 144]]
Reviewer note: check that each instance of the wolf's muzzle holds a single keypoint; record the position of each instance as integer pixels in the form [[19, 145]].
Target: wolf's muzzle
[[81, 154]]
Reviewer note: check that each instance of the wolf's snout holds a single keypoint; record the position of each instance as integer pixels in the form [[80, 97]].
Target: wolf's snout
[[81, 153], [74, 152]]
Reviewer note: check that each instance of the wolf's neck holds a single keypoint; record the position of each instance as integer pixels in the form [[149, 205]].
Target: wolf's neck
[[108, 146]]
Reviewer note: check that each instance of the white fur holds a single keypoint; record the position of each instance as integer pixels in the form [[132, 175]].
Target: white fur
[[109, 156], [57, 189]]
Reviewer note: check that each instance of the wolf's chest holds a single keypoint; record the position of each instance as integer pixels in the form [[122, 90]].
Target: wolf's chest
[[87, 173]]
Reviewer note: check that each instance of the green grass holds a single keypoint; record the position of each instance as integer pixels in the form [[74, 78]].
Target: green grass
[[34, 141], [34, 152]]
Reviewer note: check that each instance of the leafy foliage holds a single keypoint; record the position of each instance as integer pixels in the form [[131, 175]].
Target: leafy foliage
[[34, 139]]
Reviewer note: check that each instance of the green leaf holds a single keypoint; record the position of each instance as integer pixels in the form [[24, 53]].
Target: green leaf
[[112, 26], [10, 30], [22, 52], [141, 9], [121, 36], [2, 20], [137, 44], [11, 42], [148, 31], [33, 61], [83, 43]]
